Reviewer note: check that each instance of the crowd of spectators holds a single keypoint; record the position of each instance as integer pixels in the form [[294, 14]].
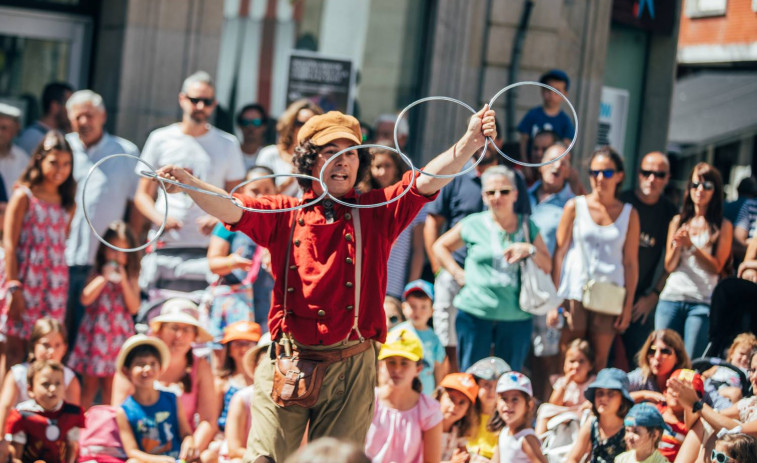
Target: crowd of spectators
[[465, 373]]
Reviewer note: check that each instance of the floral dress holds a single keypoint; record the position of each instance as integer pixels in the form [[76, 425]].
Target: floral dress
[[41, 267], [605, 450], [106, 325]]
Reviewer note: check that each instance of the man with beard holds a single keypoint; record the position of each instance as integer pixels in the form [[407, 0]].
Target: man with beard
[[655, 213], [54, 116], [178, 260]]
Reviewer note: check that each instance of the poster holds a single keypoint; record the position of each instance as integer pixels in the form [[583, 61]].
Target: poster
[[327, 81]]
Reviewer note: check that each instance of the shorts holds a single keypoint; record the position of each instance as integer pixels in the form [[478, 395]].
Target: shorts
[[585, 321]]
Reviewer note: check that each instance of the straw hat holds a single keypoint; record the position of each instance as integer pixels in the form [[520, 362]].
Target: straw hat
[[180, 310], [142, 340], [251, 357]]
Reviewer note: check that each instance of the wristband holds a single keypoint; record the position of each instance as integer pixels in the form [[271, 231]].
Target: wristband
[[697, 407]]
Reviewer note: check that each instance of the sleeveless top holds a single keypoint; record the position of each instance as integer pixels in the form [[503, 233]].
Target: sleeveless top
[[689, 282], [605, 451], [603, 248], [511, 447], [19, 376], [155, 427], [226, 402], [188, 399]]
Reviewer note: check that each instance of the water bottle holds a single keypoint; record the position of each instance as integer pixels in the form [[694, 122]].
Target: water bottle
[[550, 344]]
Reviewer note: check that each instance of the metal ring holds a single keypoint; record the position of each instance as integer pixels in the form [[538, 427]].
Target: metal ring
[[235, 201], [89, 222], [572, 109], [154, 175], [368, 206], [437, 98]]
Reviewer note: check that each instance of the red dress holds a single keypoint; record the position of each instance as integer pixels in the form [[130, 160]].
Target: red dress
[[41, 267], [106, 325]]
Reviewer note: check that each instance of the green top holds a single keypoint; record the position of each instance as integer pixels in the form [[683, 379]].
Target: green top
[[492, 286]]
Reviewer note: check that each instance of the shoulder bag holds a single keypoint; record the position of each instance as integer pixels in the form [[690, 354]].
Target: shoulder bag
[[537, 291]]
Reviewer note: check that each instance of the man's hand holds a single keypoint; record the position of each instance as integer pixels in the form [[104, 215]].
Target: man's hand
[[643, 307], [178, 174], [481, 126]]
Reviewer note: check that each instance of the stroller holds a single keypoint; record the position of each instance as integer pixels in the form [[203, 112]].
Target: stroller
[[562, 432]]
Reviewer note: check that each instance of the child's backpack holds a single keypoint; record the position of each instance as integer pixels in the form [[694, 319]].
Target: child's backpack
[[562, 432]]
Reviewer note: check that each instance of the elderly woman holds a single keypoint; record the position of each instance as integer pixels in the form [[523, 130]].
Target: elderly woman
[[188, 376], [488, 303], [278, 157]]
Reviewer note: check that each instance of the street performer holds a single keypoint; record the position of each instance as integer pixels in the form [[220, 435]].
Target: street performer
[[329, 265]]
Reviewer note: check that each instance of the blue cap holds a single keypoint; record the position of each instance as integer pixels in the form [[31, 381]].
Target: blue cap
[[419, 285], [646, 415], [609, 378], [556, 74]]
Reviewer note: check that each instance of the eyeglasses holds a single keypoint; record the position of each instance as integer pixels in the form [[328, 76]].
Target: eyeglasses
[[503, 192], [666, 351], [720, 457], [257, 122], [657, 173], [205, 101], [606, 173], [707, 185]]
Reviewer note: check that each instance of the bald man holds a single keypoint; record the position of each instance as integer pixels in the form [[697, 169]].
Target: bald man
[[655, 213]]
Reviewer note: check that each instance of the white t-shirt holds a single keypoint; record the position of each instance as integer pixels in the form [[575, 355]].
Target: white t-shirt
[[12, 166], [214, 157], [269, 157]]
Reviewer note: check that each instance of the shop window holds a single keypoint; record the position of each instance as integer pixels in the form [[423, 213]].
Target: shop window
[[706, 8]]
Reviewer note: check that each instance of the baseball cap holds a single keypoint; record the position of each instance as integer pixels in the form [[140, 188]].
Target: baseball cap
[[333, 125], [489, 368], [402, 342], [143, 340], [646, 415], [557, 74], [462, 382], [242, 330], [514, 381], [690, 376], [419, 285], [609, 378]]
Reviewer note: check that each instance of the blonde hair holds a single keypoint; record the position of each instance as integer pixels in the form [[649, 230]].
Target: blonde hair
[[747, 339]]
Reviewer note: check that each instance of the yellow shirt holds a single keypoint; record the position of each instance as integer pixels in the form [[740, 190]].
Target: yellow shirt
[[482, 442], [630, 457]]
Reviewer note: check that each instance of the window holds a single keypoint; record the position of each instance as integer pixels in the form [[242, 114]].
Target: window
[[706, 8]]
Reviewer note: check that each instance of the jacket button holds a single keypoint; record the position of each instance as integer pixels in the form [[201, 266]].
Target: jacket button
[[301, 222], [290, 290], [348, 216], [296, 242], [292, 267], [348, 237], [348, 260], [349, 307], [321, 313], [348, 284]]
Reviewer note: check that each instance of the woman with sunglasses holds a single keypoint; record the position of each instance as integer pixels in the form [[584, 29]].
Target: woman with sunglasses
[[662, 353], [488, 303], [698, 248], [597, 238], [278, 157]]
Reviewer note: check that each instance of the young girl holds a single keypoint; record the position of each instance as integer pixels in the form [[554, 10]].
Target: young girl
[[34, 283], [515, 404], [680, 418], [644, 428], [111, 298], [724, 380], [239, 337], [486, 371], [602, 437], [698, 247], [47, 342], [568, 391], [735, 448], [458, 396], [407, 425]]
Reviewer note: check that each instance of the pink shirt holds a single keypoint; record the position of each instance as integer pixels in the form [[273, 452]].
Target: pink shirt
[[397, 436]]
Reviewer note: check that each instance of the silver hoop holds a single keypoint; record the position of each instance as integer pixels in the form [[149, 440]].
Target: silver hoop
[[154, 175], [368, 206], [236, 202], [570, 105], [437, 98], [89, 222]]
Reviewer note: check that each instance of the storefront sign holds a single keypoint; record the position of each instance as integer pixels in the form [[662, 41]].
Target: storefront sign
[[613, 115], [326, 81], [653, 15]]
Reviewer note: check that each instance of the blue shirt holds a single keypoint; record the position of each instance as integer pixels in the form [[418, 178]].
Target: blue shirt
[[155, 427], [546, 215], [536, 120], [109, 190], [433, 353], [747, 217]]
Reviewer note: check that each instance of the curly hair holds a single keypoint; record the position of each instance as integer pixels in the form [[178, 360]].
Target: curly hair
[[287, 121], [306, 155]]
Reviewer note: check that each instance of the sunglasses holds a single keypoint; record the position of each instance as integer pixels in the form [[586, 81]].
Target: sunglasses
[[720, 457], [707, 185], [205, 101], [503, 192], [657, 173], [394, 319], [298, 124], [257, 122], [666, 351], [606, 173]]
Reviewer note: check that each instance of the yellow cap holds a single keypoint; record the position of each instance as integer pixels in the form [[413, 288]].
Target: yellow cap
[[402, 343]]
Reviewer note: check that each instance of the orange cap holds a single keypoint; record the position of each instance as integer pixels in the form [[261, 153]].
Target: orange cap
[[333, 125], [690, 376], [462, 382], [242, 330]]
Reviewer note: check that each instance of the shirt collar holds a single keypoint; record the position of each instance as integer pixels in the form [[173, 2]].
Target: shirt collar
[[94, 148], [566, 193]]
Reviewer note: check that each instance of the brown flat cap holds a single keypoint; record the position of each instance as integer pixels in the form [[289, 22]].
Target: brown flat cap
[[333, 125]]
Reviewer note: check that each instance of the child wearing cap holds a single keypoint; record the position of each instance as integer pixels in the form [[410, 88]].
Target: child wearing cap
[[679, 418], [45, 428], [515, 406], [418, 308], [407, 424], [486, 373], [152, 423], [458, 396], [644, 427], [602, 437]]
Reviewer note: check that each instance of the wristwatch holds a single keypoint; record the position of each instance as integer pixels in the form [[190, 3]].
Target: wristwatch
[[532, 251], [697, 407]]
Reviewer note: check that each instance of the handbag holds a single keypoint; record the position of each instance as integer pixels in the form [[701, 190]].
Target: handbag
[[538, 294], [599, 296]]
